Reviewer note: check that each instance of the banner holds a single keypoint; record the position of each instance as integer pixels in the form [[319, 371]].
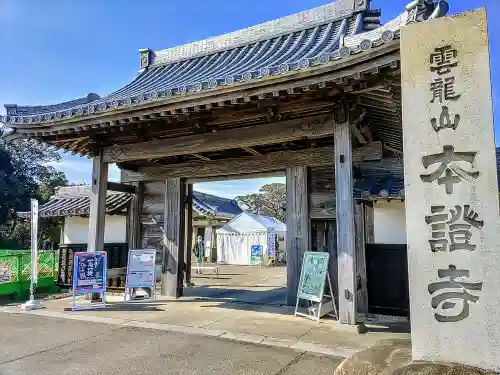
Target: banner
[[256, 255], [89, 276]]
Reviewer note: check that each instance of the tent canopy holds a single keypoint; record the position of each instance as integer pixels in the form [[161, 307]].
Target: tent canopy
[[236, 238], [250, 223]]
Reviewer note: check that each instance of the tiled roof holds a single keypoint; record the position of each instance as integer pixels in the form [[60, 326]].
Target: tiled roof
[[211, 205], [298, 42], [116, 204], [375, 188], [14, 109]]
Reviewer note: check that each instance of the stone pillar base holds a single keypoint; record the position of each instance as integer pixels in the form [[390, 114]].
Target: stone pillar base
[[393, 357]]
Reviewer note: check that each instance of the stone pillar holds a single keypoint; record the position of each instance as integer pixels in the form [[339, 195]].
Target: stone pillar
[[298, 227], [173, 250], [451, 191], [346, 249], [97, 216]]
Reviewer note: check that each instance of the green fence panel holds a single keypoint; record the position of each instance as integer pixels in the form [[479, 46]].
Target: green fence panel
[[15, 270]]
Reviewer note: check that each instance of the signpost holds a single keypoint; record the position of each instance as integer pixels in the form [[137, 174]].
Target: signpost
[[33, 304], [89, 276], [313, 276], [256, 255], [141, 273]]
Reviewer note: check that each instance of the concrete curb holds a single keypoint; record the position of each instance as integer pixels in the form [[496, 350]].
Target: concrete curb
[[240, 337]]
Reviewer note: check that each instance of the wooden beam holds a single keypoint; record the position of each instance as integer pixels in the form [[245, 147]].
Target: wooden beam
[[345, 220], [173, 250], [251, 150], [97, 215], [121, 188], [297, 221], [355, 131], [361, 281], [201, 157], [274, 161], [312, 127]]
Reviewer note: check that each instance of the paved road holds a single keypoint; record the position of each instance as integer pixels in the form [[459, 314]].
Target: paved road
[[37, 345]]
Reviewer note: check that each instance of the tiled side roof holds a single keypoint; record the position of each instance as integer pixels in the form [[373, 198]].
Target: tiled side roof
[[211, 205], [80, 206], [16, 110], [374, 188]]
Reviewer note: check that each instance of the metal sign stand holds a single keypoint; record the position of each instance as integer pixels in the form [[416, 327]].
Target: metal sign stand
[[33, 304], [315, 312], [135, 276]]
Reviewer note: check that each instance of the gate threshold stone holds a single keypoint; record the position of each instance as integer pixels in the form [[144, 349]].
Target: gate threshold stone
[[393, 357]]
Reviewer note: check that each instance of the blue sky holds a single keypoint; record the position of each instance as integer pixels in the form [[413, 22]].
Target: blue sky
[[58, 50]]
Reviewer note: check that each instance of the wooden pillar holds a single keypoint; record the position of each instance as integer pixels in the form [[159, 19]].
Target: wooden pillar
[[189, 235], [97, 216], [346, 249], [361, 282], [297, 220], [333, 264], [134, 217], [173, 250], [369, 223]]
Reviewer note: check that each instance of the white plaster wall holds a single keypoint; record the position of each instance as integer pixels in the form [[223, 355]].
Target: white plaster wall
[[76, 230], [389, 222]]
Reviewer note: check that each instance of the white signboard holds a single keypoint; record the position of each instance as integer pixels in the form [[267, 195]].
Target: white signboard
[[141, 272], [451, 189]]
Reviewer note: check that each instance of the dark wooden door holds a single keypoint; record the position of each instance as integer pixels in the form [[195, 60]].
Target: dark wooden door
[[387, 279]]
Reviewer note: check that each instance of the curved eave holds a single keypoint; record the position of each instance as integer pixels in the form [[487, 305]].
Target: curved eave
[[310, 51], [156, 87]]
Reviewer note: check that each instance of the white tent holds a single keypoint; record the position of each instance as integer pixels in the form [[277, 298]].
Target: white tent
[[236, 238]]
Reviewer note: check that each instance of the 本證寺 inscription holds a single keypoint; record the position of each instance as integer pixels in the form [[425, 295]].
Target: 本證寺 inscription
[[449, 294], [452, 230], [451, 191]]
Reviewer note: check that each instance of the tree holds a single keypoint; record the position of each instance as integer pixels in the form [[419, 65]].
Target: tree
[[269, 201], [25, 174]]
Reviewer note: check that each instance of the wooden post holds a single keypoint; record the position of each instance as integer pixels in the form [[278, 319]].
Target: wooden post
[[346, 249], [369, 223], [361, 282], [297, 219], [189, 235], [134, 217], [333, 264], [173, 250], [97, 216]]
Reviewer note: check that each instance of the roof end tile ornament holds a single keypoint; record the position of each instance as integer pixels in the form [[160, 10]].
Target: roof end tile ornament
[[423, 10], [146, 59]]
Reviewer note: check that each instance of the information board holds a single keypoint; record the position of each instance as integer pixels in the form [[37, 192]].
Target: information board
[[141, 268], [89, 276], [313, 276], [5, 273], [256, 255]]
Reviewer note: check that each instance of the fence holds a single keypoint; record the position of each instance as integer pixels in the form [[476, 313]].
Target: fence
[[15, 271]]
